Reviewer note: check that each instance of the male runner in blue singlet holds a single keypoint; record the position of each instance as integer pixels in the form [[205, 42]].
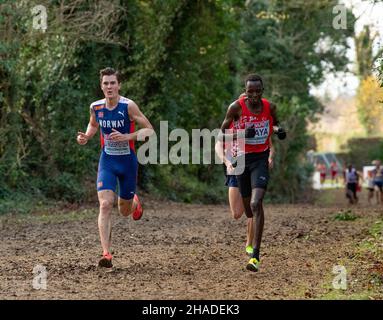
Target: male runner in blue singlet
[[116, 116]]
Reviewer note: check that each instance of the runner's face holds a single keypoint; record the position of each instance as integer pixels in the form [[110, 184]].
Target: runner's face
[[254, 90], [110, 86]]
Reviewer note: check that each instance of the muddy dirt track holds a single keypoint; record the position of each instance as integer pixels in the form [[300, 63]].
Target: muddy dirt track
[[180, 251]]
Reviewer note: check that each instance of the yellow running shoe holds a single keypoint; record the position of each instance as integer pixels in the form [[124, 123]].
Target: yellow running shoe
[[249, 250], [253, 265]]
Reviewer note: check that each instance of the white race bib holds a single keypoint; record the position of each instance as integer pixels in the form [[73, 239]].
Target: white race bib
[[261, 132], [116, 148]]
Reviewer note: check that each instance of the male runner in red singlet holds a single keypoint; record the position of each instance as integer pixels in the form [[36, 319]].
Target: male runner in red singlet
[[257, 119], [227, 154]]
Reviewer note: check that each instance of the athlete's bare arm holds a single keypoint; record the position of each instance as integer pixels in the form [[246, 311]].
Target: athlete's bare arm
[[273, 113], [272, 154], [220, 151], [232, 114], [82, 138], [137, 116]]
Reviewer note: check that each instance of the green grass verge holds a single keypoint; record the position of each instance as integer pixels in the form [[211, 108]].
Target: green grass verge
[[345, 215], [364, 269]]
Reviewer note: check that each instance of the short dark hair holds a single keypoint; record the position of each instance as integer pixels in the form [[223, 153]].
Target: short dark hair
[[253, 77], [109, 72]]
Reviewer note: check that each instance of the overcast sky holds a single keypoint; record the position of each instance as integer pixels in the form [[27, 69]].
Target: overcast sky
[[342, 83]]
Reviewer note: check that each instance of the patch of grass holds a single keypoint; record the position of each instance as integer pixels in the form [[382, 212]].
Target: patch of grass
[[347, 215], [372, 245], [21, 203], [377, 229], [376, 279], [49, 216], [325, 197], [78, 215], [359, 286], [364, 269], [335, 294]]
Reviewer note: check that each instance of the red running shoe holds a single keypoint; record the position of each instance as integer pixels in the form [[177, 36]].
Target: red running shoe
[[137, 214], [106, 261]]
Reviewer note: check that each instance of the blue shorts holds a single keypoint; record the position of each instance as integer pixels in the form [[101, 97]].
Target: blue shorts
[[231, 181], [118, 169], [379, 184]]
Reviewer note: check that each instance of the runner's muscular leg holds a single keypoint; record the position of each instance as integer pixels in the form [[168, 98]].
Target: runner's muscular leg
[[126, 207], [235, 201], [250, 233], [106, 200], [256, 205], [127, 182], [237, 209], [247, 206], [250, 224]]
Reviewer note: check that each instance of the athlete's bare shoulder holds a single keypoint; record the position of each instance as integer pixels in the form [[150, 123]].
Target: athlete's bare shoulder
[[97, 103], [126, 100], [234, 108], [131, 105], [232, 114]]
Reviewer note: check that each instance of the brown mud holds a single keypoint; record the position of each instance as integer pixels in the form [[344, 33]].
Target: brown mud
[[182, 251]]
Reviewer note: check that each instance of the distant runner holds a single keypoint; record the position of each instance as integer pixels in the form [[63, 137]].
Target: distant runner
[[351, 177]]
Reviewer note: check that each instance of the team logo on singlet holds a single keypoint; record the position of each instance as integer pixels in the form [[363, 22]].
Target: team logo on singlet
[[111, 123]]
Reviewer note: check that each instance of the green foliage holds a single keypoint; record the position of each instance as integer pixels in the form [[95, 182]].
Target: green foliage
[[346, 215], [377, 229], [364, 52], [178, 184], [181, 61], [291, 172], [362, 151], [23, 203], [292, 45]]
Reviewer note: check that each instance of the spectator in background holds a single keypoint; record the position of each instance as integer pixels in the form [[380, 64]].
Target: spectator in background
[[378, 181], [321, 167], [334, 172], [370, 185]]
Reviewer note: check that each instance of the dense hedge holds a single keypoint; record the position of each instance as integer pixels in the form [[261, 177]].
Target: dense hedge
[[181, 61]]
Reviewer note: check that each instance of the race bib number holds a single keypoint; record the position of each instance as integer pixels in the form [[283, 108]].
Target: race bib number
[[116, 148], [261, 132]]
